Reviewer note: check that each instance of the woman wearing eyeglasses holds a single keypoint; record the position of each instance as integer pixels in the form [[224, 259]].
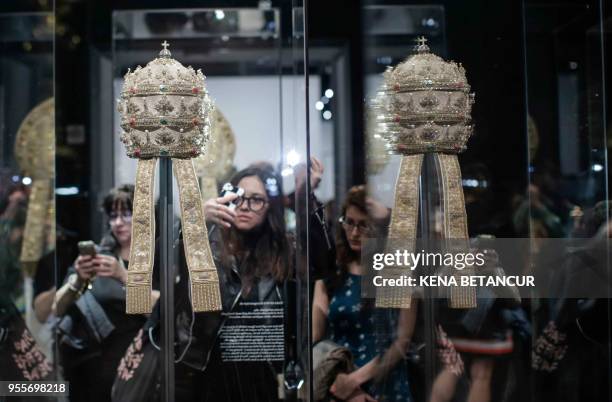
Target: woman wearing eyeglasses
[[377, 339], [94, 330], [251, 237], [235, 355], [220, 355]]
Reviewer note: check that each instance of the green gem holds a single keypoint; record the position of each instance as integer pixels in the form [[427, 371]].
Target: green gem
[[162, 88], [163, 121], [163, 152]]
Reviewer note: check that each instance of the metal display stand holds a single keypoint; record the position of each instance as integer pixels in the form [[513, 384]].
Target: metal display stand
[[426, 234], [167, 278]]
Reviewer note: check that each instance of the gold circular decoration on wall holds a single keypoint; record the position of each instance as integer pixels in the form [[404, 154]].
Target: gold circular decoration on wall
[[35, 155], [216, 163], [377, 153], [35, 142]]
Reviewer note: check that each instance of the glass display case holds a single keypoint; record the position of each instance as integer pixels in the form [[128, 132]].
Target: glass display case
[[27, 138], [232, 313], [521, 190], [245, 201], [257, 144], [526, 192]]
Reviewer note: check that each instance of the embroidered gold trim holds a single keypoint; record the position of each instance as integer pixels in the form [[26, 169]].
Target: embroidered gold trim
[[402, 230], [455, 224], [205, 293], [32, 249], [35, 154], [138, 288]]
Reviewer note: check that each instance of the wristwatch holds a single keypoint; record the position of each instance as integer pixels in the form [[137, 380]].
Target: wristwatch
[[75, 284]]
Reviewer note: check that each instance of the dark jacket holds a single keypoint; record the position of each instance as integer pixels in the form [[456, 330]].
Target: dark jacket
[[201, 374], [93, 336], [195, 345], [198, 348], [96, 318]]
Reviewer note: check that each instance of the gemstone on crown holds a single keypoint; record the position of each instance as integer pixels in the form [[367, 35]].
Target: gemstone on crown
[[180, 112], [424, 104]]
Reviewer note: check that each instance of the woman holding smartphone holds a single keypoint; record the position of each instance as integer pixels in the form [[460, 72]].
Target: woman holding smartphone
[[94, 329], [253, 255]]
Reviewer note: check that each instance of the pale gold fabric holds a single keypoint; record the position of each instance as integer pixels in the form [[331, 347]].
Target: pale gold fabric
[[35, 155], [40, 206], [402, 230], [138, 289], [455, 225], [204, 281], [205, 295]]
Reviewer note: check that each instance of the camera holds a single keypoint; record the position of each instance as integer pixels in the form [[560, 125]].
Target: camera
[[229, 188]]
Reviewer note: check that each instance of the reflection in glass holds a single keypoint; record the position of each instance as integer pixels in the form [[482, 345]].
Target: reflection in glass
[[27, 218]]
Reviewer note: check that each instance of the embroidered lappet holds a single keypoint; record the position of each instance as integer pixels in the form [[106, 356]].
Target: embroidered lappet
[[35, 154]]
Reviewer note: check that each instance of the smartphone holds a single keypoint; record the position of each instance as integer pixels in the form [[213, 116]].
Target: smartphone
[[228, 188], [87, 247]]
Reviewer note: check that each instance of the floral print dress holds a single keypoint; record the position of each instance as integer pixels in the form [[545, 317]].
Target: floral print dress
[[367, 333]]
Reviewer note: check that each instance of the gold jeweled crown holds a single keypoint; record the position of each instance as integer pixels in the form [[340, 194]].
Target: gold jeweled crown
[[165, 110], [425, 105]]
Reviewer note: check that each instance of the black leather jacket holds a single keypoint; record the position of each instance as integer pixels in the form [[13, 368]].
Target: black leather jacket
[[195, 344], [208, 326]]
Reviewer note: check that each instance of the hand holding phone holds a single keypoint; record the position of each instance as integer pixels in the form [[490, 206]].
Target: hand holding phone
[[84, 264], [221, 210], [110, 267], [87, 247]]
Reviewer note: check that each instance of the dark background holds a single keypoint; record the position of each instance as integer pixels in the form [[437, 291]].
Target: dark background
[[513, 52]]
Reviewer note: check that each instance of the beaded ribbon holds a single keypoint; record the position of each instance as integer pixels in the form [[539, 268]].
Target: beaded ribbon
[[205, 294], [403, 228], [35, 155]]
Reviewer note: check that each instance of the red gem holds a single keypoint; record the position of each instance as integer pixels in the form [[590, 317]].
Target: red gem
[[397, 119], [396, 87], [137, 153], [195, 90], [132, 122], [133, 90], [194, 152], [195, 122]]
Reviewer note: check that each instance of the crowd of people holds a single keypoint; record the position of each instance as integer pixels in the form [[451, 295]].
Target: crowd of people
[[518, 349]]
